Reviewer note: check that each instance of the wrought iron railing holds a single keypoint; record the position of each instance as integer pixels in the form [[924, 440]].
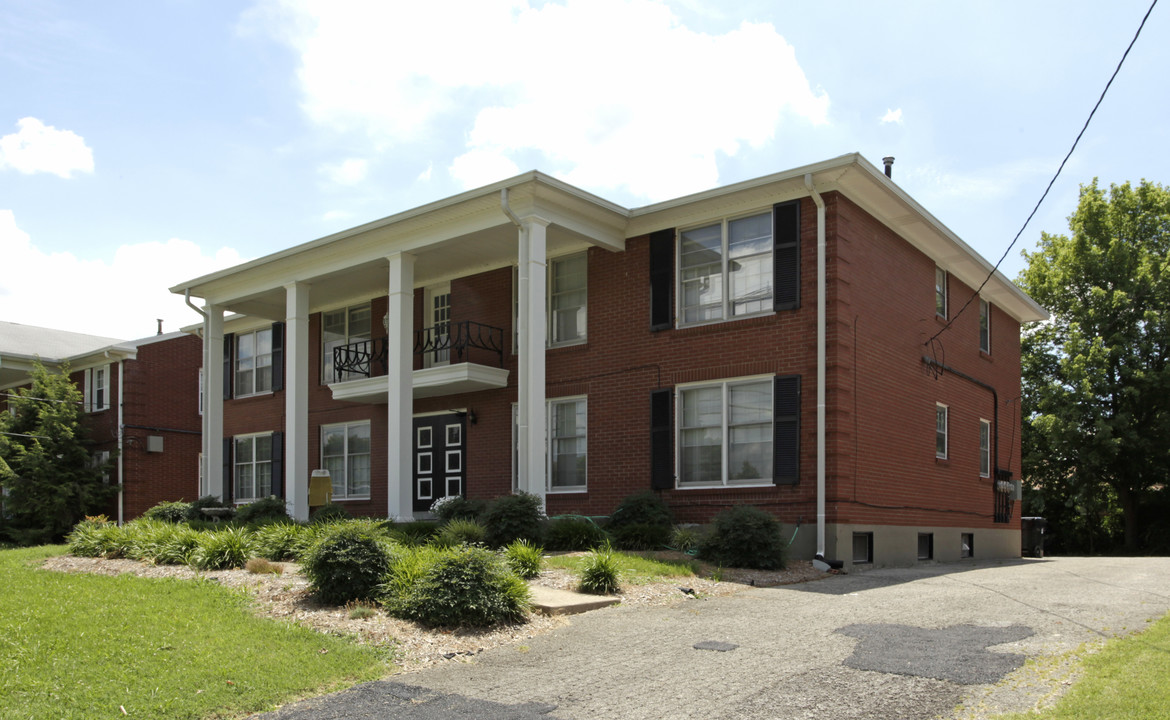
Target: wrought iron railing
[[457, 342], [1003, 489]]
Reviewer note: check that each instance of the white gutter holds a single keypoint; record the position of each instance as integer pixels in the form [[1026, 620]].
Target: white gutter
[[121, 432], [820, 364]]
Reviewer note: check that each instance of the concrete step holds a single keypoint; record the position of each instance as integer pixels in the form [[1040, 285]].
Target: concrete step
[[552, 601]]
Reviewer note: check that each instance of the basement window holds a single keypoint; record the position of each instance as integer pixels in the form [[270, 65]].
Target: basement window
[[862, 548]]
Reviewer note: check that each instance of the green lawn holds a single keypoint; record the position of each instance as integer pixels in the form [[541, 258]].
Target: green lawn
[[1129, 678], [635, 569], [88, 646]]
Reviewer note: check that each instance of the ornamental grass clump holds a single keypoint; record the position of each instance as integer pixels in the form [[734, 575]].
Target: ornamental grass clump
[[599, 574], [176, 545], [461, 586], [226, 549], [524, 558], [744, 536], [93, 537], [347, 563]]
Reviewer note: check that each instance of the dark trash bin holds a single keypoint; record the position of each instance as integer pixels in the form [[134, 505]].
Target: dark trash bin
[[1032, 536]]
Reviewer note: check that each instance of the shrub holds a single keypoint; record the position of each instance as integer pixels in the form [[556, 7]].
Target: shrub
[[640, 536], [573, 533], [459, 532], [644, 508], [685, 538], [194, 511], [457, 507], [462, 586], [347, 563], [268, 509], [331, 512], [226, 549], [524, 558], [744, 536], [172, 512], [278, 541], [262, 566], [418, 532], [513, 517], [599, 574]]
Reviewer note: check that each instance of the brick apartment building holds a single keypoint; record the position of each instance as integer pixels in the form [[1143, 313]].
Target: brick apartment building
[[141, 401], [764, 343]]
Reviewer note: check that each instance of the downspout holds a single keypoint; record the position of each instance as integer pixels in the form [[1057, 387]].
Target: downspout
[[121, 433], [821, 313], [205, 439]]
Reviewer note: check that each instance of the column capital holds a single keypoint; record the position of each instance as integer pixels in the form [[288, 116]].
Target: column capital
[[535, 220]]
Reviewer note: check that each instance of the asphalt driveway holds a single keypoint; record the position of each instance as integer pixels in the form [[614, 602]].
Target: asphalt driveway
[[890, 643]]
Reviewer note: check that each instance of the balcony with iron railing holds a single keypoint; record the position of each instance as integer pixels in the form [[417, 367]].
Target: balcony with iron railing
[[457, 357]]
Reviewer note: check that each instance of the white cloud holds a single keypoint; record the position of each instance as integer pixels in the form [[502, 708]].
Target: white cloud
[[37, 147], [892, 116], [425, 175], [605, 93], [932, 184], [350, 171], [120, 297]]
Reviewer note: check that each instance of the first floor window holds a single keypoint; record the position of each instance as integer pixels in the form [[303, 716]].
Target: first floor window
[[101, 461], [203, 487], [254, 362], [984, 448], [725, 433], [566, 445], [345, 453], [253, 467], [940, 431]]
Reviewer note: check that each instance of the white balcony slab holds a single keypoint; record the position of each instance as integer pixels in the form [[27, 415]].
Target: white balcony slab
[[428, 382]]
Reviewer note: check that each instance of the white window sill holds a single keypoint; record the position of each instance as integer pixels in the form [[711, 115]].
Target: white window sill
[[724, 486], [252, 395], [705, 323], [355, 498], [568, 491]]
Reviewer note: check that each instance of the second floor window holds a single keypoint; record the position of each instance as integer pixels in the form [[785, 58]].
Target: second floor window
[[940, 431], [339, 328], [985, 326], [253, 362], [725, 269], [567, 295], [940, 292]]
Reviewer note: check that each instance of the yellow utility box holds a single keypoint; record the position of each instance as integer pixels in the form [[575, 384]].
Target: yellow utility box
[[320, 488]]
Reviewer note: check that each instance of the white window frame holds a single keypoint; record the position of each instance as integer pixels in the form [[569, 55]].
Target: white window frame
[[941, 432], [204, 489], [727, 302], [327, 349], [940, 292], [725, 432], [550, 340], [984, 448], [985, 325], [255, 463], [97, 389], [200, 394], [346, 495], [255, 361], [549, 440]]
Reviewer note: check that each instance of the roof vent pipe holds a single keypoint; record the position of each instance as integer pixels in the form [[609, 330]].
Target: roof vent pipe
[[889, 162]]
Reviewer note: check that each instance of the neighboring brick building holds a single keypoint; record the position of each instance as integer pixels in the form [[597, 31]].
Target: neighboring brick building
[[141, 399], [672, 347]]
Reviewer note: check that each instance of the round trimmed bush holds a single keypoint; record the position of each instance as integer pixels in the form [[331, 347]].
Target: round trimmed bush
[[269, 509], [744, 536], [347, 563], [172, 512], [573, 533], [513, 517], [461, 586]]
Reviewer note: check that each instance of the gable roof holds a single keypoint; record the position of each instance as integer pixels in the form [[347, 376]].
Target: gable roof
[[21, 345]]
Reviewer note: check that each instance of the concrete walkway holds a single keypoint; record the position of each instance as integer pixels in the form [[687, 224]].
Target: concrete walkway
[[891, 643]]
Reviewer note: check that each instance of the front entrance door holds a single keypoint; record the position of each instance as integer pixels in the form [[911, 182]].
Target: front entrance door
[[439, 449]]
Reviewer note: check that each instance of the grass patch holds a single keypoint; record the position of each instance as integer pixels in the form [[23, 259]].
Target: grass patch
[[86, 646], [1126, 679], [634, 569]]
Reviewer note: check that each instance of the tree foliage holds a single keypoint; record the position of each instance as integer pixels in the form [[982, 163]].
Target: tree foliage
[[49, 479], [1096, 378]]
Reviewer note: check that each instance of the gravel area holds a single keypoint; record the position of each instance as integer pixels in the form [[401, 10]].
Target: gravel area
[[286, 597]]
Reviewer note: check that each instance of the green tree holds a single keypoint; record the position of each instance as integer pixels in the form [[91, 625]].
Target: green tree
[[46, 468], [1095, 377]]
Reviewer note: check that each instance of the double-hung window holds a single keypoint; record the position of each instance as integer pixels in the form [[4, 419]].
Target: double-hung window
[[725, 269], [254, 362], [566, 445], [940, 431], [345, 453], [984, 448], [97, 394], [567, 296], [984, 326], [940, 292], [253, 467], [341, 327], [725, 433]]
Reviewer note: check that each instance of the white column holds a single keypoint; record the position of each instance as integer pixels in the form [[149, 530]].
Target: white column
[[296, 400], [532, 328], [213, 399], [400, 379]]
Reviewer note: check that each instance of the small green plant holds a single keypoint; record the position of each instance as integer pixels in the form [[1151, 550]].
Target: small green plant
[[524, 558], [573, 532], [174, 546], [347, 563], [744, 536], [263, 566], [195, 511], [599, 574], [457, 507], [93, 538], [685, 538], [513, 517], [265, 510], [461, 586], [226, 549], [331, 512], [361, 611], [172, 512], [458, 532]]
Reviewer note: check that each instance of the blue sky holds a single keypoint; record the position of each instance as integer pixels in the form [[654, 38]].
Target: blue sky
[[146, 143]]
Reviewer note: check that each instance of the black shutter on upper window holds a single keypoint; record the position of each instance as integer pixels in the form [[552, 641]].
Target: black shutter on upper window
[[227, 470], [277, 356], [661, 279], [661, 440], [277, 462], [786, 430], [786, 255], [228, 342]]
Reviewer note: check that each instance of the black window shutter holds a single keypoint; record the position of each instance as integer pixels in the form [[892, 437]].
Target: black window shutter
[[786, 255], [661, 279], [278, 356], [227, 470], [228, 343], [786, 430], [661, 440], [278, 463]]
